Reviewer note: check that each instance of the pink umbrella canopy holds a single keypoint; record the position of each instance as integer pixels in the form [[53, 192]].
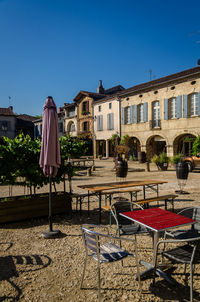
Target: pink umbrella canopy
[[50, 150]]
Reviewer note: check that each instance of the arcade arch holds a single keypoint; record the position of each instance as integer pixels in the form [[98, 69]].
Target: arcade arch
[[183, 144], [155, 145]]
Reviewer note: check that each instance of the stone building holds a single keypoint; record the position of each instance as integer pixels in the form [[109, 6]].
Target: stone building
[[70, 111], [163, 114], [85, 112], [12, 124], [106, 124]]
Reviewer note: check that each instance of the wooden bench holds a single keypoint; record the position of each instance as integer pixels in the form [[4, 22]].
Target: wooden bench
[[166, 198]]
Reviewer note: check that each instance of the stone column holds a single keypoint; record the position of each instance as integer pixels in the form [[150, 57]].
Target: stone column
[[94, 148], [170, 151], [107, 148]]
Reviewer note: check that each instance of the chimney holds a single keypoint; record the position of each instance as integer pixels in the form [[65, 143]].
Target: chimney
[[100, 89]]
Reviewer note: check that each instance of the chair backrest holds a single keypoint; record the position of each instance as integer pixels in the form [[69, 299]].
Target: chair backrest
[[193, 213], [123, 206], [196, 216], [119, 207], [91, 240]]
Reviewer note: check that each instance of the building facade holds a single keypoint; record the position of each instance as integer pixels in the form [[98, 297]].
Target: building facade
[[162, 115], [86, 120], [106, 124], [12, 124], [70, 111]]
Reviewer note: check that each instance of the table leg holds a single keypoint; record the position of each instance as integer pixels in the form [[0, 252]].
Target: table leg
[[99, 207], [150, 267], [88, 203]]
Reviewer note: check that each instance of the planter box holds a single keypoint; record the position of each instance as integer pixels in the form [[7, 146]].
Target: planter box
[[21, 208]]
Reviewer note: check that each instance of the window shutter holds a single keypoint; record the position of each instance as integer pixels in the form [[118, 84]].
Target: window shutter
[[98, 122], [198, 103], [123, 115], [101, 122], [145, 112], [135, 114], [179, 106], [185, 105], [112, 120], [165, 109], [131, 115], [108, 121]]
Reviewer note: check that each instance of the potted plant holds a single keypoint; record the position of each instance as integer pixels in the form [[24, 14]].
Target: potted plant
[[177, 158], [161, 161]]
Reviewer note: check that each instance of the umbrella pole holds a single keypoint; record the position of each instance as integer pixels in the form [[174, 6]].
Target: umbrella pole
[[51, 233], [50, 215]]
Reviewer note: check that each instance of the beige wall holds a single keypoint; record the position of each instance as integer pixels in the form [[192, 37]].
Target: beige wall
[[68, 121], [170, 129], [106, 134], [85, 118]]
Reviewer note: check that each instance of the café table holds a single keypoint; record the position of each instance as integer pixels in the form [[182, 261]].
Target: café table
[[157, 220], [98, 188]]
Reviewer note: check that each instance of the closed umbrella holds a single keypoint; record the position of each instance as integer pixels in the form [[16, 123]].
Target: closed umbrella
[[50, 152]]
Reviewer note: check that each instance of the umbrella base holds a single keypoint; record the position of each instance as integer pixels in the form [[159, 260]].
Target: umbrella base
[[50, 234]]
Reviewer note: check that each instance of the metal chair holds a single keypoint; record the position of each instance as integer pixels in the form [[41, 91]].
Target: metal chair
[[185, 252], [193, 213], [124, 225], [102, 248]]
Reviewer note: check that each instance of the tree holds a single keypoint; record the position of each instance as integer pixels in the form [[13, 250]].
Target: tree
[[196, 145]]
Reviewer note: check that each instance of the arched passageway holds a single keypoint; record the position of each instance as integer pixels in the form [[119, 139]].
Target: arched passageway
[[155, 145], [183, 144], [135, 146]]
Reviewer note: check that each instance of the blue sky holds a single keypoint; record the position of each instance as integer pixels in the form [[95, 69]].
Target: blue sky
[[59, 47]]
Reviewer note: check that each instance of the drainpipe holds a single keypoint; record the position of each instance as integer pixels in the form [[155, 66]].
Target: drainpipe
[[119, 121]]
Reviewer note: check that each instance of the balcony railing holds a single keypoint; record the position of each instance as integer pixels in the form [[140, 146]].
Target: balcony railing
[[155, 124]]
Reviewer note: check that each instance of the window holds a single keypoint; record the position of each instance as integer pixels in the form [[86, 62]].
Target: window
[[141, 113], [99, 122], [85, 107], [60, 125], [99, 108], [72, 127], [71, 113], [110, 105], [156, 114], [110, 121], [41, 129], [172, 108], [85, 126], [193, 104], [5, 125]]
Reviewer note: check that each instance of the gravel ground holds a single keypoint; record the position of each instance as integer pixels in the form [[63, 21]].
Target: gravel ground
[[36, 269]]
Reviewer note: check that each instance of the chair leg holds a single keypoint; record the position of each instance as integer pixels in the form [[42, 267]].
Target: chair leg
[[191, 282], [99, 283], [83, 274]]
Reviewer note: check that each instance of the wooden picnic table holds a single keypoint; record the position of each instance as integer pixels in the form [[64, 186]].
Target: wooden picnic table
[[98, 188]]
